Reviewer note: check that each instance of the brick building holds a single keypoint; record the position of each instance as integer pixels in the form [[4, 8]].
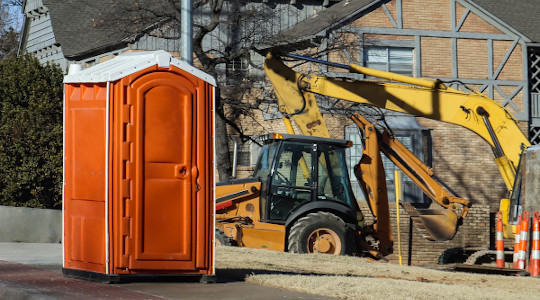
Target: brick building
[[487, 46]]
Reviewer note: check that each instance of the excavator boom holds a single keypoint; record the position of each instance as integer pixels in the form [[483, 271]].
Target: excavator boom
[[419, 97]]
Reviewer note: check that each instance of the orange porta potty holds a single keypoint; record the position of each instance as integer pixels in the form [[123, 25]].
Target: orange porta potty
[[138, 169], [499, 241], [534, 261]]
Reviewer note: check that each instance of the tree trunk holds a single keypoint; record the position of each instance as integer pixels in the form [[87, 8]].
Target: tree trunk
[[223, 160]]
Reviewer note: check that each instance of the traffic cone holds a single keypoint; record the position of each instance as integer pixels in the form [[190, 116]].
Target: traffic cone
[[534, 262], [516, 242], [499, 238], [524, 238]]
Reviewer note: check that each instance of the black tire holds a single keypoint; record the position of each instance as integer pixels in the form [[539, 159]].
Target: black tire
[[324, 229], [222, 239]]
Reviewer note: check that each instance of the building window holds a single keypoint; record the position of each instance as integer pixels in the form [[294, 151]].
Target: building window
[[391, 59], [354, 154], [237, 67], [416, 140]]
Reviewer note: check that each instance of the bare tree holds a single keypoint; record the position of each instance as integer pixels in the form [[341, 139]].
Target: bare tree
[[225, 34], [10, 16]]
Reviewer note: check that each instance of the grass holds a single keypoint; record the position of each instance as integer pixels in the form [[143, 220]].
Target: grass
[[349, 277]]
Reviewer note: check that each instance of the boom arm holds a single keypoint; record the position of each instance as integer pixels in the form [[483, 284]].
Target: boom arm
[[421, 97], [435, 224]]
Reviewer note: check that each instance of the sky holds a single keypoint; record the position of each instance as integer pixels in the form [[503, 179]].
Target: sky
[[16, 12]]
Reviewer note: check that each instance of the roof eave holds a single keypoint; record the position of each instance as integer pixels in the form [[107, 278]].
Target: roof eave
[[308, 40], [24, 33], [96, 51]]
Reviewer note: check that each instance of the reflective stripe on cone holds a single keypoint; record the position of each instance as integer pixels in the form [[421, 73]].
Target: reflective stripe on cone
[[516, 242]]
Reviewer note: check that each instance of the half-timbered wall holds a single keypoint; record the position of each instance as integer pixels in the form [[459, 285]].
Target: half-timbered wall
[[461, 44]]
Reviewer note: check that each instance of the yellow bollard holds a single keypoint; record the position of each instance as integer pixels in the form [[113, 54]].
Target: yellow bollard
[[399, 195]]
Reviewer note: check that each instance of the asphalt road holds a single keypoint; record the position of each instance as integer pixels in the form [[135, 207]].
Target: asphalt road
[[33, 271]]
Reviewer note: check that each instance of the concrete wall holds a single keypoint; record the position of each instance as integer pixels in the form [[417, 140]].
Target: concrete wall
[[30, 225]]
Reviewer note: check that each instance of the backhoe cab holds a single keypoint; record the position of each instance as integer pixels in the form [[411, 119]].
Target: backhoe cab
[[299, 197]]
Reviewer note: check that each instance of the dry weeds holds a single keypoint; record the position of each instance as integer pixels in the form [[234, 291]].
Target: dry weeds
[[348, 277]]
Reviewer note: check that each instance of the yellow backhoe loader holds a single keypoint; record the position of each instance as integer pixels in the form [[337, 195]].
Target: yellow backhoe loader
[[299, 198]]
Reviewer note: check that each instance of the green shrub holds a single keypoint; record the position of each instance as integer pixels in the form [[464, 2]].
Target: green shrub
[[30, 133]]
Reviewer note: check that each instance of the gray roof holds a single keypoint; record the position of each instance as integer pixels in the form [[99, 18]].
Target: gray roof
[[74, 28], [522, 15], [309, 30], [74, 21]]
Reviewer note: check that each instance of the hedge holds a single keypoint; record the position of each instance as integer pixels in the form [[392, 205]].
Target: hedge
[[30, 133]]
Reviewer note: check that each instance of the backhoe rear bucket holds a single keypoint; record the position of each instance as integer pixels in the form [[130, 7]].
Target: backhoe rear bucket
[[434, 224]]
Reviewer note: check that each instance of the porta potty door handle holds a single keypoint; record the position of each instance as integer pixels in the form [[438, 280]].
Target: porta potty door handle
[[181, 171]]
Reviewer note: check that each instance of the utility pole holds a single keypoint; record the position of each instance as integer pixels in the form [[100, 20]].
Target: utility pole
[[186, 36]]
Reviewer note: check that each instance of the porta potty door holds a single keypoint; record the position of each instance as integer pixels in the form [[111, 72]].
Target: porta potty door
[[164, 187]]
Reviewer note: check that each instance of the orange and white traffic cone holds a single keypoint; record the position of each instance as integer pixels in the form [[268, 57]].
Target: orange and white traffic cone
[[534, 262], [523, 240], [516, 242], [499, 238]]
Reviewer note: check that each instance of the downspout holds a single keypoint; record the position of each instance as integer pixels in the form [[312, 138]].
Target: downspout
[[186, 36]]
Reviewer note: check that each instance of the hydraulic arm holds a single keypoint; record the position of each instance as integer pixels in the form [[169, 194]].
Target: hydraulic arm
[[420, 97], [435, 224]]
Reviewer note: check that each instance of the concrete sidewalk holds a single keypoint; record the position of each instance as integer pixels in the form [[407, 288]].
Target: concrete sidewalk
[[33, 271]]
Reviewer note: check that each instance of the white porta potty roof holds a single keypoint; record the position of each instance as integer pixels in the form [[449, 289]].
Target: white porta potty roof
[[129, 63]]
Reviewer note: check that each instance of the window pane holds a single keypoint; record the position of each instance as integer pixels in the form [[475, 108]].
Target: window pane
[[354, 155], [400, 55], [401, 69], [389, 166], [291, 181], [268, 152], [376, 66], [401, 61], [376, 54], [333, 181]]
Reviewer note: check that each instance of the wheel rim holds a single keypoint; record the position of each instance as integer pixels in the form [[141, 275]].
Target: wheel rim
[[324, 240]]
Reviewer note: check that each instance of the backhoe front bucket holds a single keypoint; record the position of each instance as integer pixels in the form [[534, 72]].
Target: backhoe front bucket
[[434, 224]]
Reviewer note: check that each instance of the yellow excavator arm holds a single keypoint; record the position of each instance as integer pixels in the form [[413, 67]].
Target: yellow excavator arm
[[419, 97]]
